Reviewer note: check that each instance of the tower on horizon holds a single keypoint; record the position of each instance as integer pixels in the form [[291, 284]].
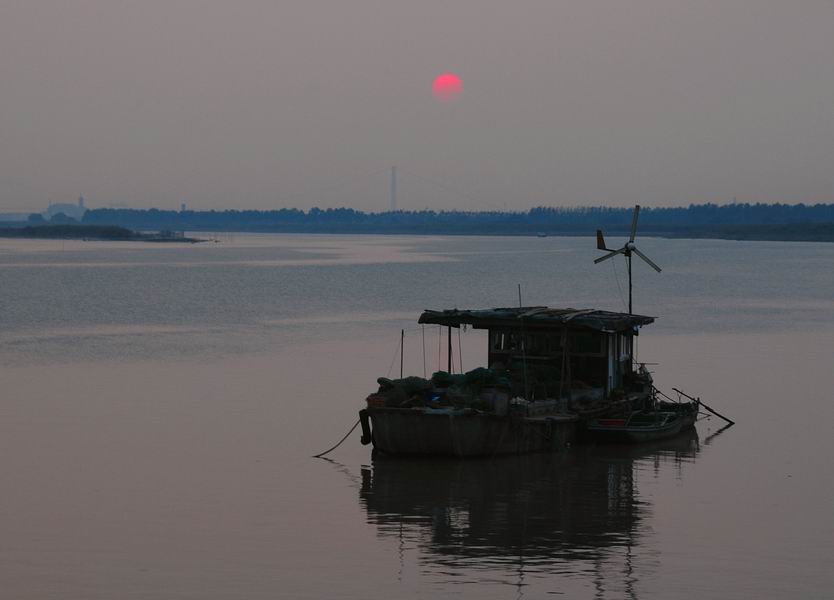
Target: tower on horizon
[[393, 189]]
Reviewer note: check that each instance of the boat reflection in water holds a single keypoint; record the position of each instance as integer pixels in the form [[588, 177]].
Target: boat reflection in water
[[571, 512]]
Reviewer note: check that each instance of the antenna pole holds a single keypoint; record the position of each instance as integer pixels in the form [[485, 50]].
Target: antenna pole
[[393, 189]]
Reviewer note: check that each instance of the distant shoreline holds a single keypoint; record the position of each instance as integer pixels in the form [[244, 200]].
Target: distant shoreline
[[791, 232], [100, 233]]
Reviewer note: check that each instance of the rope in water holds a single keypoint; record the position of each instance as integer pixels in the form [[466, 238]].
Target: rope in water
[[339, 444]]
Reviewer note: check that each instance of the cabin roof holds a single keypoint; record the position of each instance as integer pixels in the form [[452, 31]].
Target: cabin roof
[[537, 316]]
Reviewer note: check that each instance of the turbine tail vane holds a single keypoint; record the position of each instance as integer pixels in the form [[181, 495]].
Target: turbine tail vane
[[600, 240]]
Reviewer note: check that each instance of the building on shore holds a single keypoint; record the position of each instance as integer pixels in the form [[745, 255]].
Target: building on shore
[[74, 211]]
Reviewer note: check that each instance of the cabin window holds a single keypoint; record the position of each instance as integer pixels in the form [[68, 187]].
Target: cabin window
[[506, 341], [498, 340], [583, 342], [549, 344], [625, 347], [538, 343]]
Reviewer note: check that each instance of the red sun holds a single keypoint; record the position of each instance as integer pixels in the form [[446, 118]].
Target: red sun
[[447, 87]]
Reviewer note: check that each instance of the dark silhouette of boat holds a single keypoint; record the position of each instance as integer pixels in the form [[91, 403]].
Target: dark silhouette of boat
[[549, 372], [666, 420]]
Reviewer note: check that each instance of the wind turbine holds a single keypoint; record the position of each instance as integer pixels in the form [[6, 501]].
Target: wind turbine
[[626, 251]]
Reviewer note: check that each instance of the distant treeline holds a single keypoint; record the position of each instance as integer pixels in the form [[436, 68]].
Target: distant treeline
[[697, 220]]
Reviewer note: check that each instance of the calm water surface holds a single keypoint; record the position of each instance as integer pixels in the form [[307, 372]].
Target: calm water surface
[[161, 402]]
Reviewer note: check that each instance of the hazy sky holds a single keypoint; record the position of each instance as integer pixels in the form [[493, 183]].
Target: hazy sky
[[299, 103]]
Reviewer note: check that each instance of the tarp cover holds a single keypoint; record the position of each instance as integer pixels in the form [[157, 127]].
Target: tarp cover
[[538, 317]]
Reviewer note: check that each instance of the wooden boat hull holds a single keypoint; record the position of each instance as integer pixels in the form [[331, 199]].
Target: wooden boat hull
[[409, 432], [678, 421]]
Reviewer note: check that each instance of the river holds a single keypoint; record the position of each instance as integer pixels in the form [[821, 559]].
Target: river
[[161, 404]]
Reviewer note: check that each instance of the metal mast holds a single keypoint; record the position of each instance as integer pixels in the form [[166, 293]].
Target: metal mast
[[627, 250]]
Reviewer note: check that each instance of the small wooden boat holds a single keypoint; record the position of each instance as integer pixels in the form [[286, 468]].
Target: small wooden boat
[[665, 421]]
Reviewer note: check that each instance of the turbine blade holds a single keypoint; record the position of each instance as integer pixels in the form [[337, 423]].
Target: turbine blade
[[600, 240], [646, 258], [607, 256], [634, 223]]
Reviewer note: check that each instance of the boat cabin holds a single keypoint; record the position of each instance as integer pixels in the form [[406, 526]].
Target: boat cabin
[[558, 351]]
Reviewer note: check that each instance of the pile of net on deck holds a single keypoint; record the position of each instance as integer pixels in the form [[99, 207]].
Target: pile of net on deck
[[483, 389], [480, 388]]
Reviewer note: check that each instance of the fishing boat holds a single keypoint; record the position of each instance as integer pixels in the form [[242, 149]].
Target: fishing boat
[[666, 420], [550, 371]]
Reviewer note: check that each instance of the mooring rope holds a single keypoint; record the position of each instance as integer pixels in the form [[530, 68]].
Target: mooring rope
[[340, 442], [656, 389]]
